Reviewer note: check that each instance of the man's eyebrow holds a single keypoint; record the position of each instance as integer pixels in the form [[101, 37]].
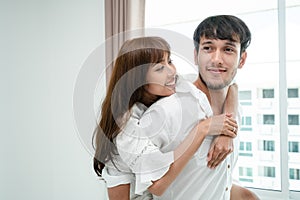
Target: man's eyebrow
[[229, 43], [234, 44], [206, 42]]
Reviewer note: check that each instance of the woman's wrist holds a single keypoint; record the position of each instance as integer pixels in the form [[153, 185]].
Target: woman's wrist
[[203, 127]]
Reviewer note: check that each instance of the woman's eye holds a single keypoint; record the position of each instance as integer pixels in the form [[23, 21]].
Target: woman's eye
[[160, 68], [170, 61]]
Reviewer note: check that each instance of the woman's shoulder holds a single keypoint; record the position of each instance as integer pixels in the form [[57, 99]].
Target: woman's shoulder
[[186, 86]]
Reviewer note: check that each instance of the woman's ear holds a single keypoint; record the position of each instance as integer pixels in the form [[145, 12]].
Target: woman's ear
[[195, 56], [242, 60]]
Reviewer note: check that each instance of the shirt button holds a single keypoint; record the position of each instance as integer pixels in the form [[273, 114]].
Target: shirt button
[[228, 166], [226, 189]]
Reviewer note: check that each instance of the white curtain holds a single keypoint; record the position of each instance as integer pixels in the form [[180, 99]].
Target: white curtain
[[121, 16]]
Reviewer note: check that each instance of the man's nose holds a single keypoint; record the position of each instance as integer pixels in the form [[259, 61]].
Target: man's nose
[[217, 58]]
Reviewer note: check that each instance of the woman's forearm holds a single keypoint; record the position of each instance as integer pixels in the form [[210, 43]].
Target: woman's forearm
[[182, 154], [231, 103], [220, 124]]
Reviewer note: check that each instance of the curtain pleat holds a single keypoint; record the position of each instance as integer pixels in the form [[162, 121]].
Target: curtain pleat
[[121, 16]]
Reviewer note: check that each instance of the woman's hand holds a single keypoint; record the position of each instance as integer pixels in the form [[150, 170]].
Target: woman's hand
[[219, 125], [220, 148]]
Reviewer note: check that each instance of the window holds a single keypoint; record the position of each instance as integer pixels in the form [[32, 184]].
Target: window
[[246, 123], [293, 93], [294, 147], [295, 174], [245, 171], [245, 149], [268, 93], [266, 145], [271, 66], [246, 146], [269, 119], [293, 120], [245, 97], [246, 174], [266, 171], [242, 144]]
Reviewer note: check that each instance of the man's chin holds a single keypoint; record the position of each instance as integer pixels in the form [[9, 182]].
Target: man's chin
[[216, 86]]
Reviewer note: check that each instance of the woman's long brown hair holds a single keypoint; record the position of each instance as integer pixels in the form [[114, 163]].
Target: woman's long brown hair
[[126, 87]]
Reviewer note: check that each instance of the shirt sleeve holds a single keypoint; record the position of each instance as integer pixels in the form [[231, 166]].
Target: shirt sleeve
[[137, 149], [114, 177]]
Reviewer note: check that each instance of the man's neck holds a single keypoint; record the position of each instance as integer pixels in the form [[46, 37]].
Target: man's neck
[[216, 97], [201, 86]]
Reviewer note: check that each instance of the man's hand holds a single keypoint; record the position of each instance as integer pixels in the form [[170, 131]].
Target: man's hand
[[220, 148]]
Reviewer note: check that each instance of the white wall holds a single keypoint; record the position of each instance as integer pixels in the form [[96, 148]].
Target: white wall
[[43, 44]]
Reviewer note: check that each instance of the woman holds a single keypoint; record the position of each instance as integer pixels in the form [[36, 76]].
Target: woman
[[145, 129]]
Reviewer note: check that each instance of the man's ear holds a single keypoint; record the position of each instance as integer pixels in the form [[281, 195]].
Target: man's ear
[[195, 56], [242, 60]]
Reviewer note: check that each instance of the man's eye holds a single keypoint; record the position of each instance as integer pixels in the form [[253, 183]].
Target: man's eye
[[229, 49], [206, 48]]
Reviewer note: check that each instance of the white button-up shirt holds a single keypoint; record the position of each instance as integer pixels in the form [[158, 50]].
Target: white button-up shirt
[[148, 139]]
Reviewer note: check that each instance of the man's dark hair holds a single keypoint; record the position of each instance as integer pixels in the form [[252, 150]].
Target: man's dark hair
[[223, 27]]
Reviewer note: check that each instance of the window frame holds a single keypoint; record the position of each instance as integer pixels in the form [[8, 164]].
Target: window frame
[[284, 193], [281, 120]]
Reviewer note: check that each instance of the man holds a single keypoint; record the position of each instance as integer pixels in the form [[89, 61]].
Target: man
[[220, 49]]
